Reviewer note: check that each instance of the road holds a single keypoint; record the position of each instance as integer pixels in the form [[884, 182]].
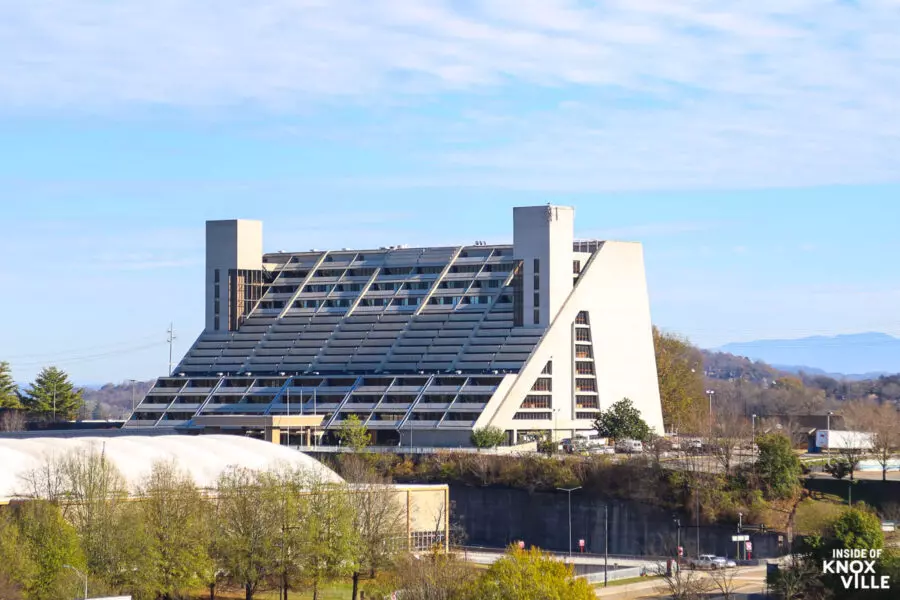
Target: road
[[750, 584]]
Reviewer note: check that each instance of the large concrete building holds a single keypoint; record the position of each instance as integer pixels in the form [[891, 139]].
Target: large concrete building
[[422, 344]]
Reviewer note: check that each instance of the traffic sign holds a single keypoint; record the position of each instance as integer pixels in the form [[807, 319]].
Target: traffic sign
[[740, 538]]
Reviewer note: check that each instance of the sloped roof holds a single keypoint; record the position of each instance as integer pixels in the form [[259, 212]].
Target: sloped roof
[[204, 457]]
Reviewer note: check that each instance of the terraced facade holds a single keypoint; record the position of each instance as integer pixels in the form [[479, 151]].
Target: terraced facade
[[422, 344]]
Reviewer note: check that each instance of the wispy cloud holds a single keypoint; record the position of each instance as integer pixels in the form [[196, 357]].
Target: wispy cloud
[[650, 230], [654, 93]]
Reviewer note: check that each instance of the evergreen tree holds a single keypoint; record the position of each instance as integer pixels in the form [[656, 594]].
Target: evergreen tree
[[9, 391], [53, 395]]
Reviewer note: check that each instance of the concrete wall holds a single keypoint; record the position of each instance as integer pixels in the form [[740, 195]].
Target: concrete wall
[[230, 244], [544, 233], [496, 517], [613, 290], [619, 308]]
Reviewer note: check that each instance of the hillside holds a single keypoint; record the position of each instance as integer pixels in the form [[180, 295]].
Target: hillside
[[861, 353], [113, 400]]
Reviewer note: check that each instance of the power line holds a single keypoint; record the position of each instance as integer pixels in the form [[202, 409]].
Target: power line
[[87, 357], [78, 351]]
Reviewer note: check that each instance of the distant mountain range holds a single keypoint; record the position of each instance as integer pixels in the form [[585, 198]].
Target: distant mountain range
[[854, 356]]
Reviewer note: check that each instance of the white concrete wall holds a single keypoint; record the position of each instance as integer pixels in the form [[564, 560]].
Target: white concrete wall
[[613, 290], [230, 244], [545, 233], [621, 330]]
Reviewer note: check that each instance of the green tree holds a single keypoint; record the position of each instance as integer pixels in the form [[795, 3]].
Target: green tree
[[858, 529], [488, 437], [679, 366], [9, 391], [622, 421], [330, 541], [530, 575], [353, 434], [777, 465], [17, 568], [49, 542], [53, 395], [172, 511], [248, 529]]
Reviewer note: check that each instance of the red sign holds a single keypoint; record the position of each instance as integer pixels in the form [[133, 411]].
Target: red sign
[[581, 543], [521, 545], [748, 546], [680, 550]]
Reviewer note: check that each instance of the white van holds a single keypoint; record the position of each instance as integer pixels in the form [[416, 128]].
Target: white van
[[629, 446]]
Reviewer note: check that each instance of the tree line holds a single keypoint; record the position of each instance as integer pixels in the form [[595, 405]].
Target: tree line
[[51, 396], [281, 528]]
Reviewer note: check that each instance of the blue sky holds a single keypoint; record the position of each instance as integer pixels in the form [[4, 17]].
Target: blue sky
[[753, 147]]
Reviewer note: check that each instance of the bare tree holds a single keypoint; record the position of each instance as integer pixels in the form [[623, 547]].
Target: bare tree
[[724, 581], [683, 584], [730, 431], [851, 450], [13, 420], [380, 523], [46, 481], [434, 576], [883, 422], [799, 578]]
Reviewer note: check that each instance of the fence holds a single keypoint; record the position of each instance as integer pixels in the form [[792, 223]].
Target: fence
[[499, 450]]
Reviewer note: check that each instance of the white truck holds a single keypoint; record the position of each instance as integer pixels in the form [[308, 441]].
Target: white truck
[[830, 439]]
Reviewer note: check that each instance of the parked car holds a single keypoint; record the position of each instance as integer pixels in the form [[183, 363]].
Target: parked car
[[724, 563], [629, 446], [694, 446], [704, 561]]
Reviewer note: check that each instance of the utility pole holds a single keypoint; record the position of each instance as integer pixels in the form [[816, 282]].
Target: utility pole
[[54, 400], [170, 339], [697, 491], [133, 381]]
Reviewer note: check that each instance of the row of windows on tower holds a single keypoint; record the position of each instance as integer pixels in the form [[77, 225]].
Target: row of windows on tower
[[504, 267], [391, 286], [410, 301]]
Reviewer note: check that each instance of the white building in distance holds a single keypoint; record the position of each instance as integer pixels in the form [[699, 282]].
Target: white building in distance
[[422, 344]]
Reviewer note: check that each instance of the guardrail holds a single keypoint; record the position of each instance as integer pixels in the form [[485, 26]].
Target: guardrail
[[499, 450]]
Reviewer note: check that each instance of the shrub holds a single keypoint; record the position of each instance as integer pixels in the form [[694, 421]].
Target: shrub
[[488, 437]]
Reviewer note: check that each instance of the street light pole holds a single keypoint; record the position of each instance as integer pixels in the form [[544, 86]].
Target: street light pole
[[677, 539], [82, 575], [569, 491], [605, 544], [710, 393]]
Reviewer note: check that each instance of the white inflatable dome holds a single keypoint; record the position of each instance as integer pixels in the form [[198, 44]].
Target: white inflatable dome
[[204, 457]]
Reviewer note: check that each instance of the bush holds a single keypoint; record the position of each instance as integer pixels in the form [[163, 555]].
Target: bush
[[778, 466], [488, 437]]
